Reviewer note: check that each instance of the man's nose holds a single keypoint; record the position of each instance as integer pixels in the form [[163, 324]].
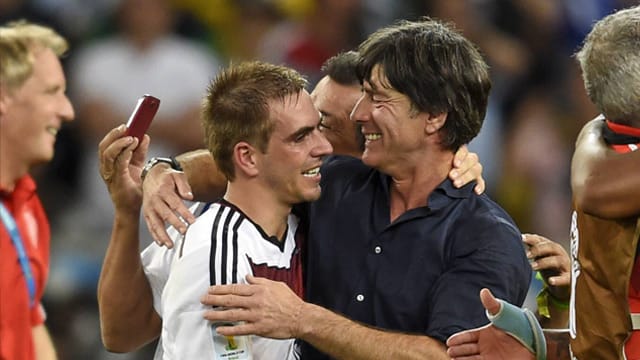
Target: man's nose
[[361, 111]]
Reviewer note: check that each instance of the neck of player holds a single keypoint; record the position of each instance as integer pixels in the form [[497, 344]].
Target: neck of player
[[261, 206]]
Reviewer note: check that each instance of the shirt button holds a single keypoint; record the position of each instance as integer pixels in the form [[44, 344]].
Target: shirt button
[[378, 249], [360, 298]]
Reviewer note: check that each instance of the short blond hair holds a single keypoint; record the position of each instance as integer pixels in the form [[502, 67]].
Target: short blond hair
[[19, 40], [237, 107]]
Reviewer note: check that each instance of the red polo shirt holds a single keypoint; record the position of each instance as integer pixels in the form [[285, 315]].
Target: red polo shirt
[[16, 317]]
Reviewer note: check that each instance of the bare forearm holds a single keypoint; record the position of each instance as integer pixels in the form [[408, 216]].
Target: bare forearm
[[558, 319], [43, 344], [604, 183], [612, 190], [342, 338], [205, 179], [557, 344], [127, 317]]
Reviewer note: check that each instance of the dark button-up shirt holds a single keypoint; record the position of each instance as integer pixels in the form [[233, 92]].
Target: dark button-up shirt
[[421, 273]]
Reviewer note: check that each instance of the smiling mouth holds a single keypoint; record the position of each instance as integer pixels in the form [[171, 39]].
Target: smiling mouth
[[53, 131], [312, 172], [372, 137]]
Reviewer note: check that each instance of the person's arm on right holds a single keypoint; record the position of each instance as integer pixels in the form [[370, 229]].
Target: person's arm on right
[[554, 265], [128, 319], [491, 342], [604, 183]]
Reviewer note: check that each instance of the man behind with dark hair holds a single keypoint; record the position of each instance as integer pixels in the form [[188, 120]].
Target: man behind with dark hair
[[334, 96], [342, 68]]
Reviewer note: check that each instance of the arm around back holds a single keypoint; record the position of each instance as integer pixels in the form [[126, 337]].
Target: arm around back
[[204, 177], [271, 309], [346, 339]]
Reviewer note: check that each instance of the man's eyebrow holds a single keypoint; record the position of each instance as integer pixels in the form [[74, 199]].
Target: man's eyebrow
[[374, 89], [301, 132], [381, 92], [52, 88]]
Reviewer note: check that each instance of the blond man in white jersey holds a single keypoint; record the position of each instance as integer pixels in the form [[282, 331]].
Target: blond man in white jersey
[[262, 130]]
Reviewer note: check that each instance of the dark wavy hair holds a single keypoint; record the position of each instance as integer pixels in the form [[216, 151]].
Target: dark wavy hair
[[437, 68]]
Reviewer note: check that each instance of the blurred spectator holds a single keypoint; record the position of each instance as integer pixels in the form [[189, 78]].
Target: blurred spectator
[[236, 27], [305, 44], [33, 107], [508, 59], [109, 75], [536, 173], [106, 78], [21, 9]]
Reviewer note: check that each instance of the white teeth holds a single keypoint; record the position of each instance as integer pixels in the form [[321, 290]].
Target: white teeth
[[53, 131], [312, 172], [372, 137]]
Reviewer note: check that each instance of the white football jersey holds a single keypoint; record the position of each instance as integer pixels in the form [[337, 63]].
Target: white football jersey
[[221, 247]]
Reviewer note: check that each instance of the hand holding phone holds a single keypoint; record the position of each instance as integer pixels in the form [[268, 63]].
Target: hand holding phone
[[142, 115]]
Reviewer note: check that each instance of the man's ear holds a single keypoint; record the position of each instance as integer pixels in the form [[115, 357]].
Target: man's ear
[[245, 159], [433, 123]]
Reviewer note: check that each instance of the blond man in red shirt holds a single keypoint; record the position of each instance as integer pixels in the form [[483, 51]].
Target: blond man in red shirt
[[33, 107]]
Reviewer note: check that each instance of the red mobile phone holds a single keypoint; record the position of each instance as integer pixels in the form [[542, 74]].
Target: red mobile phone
[[142, 115]]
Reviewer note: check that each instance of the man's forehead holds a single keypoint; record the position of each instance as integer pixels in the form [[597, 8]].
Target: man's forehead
[[291, 100], [292, 105], [319, 89], [325, 89], [377, 79]]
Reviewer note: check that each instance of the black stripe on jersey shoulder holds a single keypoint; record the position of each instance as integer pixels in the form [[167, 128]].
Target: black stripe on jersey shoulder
[[222, 218], [234, 246], [272, 239]]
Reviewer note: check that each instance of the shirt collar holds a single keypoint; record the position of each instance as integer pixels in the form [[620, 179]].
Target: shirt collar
[[623, 129], [441, 195], [445, 192], [24, 189]]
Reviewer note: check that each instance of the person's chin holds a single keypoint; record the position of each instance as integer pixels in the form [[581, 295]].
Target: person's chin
[[312, 195], [369, 159], [43, 157]]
